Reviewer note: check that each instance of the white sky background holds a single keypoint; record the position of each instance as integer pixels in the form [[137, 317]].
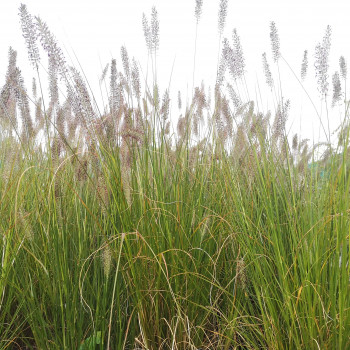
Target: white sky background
[[97, 29]]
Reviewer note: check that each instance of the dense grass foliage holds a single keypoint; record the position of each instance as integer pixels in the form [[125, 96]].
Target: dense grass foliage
[[118, 234]]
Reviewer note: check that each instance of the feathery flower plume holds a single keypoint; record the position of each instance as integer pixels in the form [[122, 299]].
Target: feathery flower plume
[[226, 58], [114, 100], [336, 88], [198, 9], [104, 73], [102, 189], [226, 116], [147, 32], [179, 102], [155, 29], [343, 67], [164, 111], [30, 35], [23, 103], [12, 57], [49, 44], [275, 42], [56, 149], [239, 63], [34, 90], [107, 260], [135, 78], [227, 52], [304, 66], [218, 120], [124, 83], [126, 61], [7, 96], [232, 58], [156, 97], [81, 102], [53, 87], [281, 117], [267, 71], [138, 120], [234, 97], [200, 100], [60, 121], [322, 61], [39, 116], [222, 15]]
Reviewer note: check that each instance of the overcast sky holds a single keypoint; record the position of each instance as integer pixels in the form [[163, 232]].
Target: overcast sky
[[96, 30]]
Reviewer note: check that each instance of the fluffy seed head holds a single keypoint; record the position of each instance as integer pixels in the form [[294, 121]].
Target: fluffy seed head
[[107, 260], [156, 97], [179, 102], [147, 32], [126, 61], [34, 89], [267, 72], [233, 58], [104, 73], [135, 79], [343, 67], [114, 100], [20, 92], [53, 86], [322, 62], [281, 117], [39, 116], [83, 106], [234, 97], [60, 121], [222, 15], [304, 65], [198, 9], [336, 88], [12, 57], [275, 41], [238, 58], [200, 100], [164, 111], [49, 44], [225, 57], [30, 34], [155, 29]]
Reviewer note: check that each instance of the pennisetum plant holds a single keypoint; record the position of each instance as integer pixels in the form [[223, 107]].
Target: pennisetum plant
[[119, 234]]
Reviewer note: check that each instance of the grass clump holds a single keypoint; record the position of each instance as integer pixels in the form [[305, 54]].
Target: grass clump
[[117, 233]]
